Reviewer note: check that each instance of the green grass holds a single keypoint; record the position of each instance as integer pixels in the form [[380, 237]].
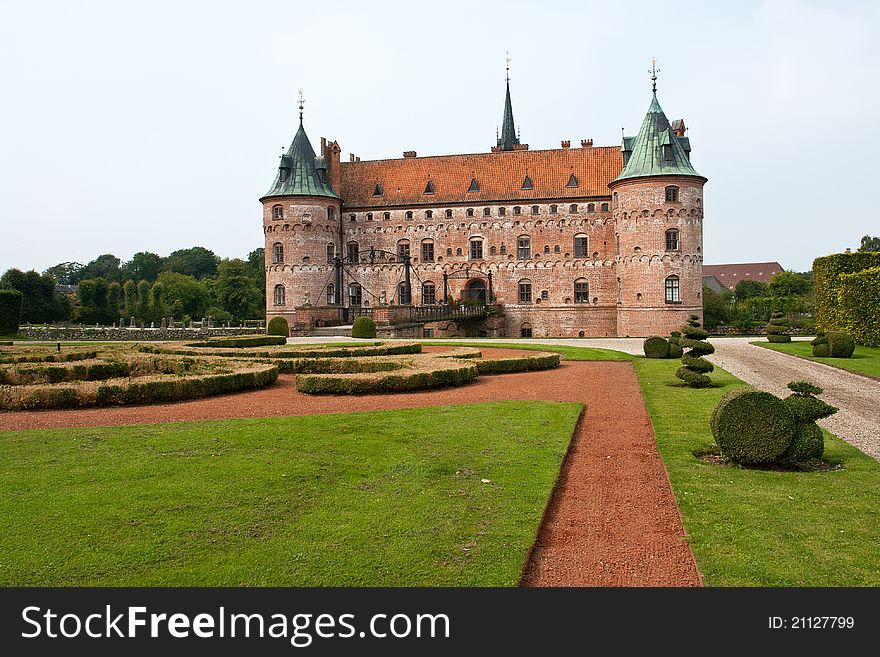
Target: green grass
[[758, 527], [570, 353], [865, 360], [383, 498]]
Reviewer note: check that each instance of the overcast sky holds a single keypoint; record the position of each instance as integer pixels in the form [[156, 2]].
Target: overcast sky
[[154, 126]]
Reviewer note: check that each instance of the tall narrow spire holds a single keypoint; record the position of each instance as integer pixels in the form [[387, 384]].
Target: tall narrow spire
[[302, 101], [508, 131]]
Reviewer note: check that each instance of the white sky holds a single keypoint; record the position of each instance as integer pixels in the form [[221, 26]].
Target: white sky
[[155, 126]]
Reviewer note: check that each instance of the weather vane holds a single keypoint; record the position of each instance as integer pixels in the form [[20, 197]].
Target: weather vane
[[654, 72], [302, 101], [507, 60]]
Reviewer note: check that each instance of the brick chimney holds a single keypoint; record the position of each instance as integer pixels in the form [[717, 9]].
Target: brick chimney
[[566, 144], [586, 143], [330, 151], [409, 154]]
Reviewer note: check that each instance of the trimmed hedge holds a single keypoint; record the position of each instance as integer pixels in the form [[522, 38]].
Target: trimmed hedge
[[751, 426], [777, 327], [695, 368], [376, 349], [10, 311], [363, 327], [243, 341], [41, 356], [831, 314], [5, 343], [834, 344], [656, 347], [278, 326], [31, 374], [435, 373], [518, 364], [339, 365], [859, 305]]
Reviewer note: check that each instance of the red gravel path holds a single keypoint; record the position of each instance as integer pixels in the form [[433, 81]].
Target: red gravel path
[[612, 518]]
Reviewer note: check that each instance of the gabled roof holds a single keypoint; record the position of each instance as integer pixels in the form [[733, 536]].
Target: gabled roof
[[298, 171], [656, 150], [732, 274], [500, 177]]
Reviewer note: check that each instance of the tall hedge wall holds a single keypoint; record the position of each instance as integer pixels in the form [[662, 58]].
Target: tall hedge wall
[[827, 285], [859, 303], [10, 311]]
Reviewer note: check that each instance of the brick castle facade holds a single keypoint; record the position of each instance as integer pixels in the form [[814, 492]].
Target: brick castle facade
[[583, 241]]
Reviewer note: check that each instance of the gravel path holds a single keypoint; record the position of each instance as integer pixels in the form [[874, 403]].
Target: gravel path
[[857, 397], [612, 518]]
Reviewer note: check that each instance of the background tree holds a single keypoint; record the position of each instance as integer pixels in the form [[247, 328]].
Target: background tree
[[105, 266], [197, 262], [715, 307], [143, 266], [40, 302], [143, 301], [129, 300], [184, 295], [750, 289], [235, 290], [257, 262], [789, 283], [870, 244], [65, 273], [93, 306]]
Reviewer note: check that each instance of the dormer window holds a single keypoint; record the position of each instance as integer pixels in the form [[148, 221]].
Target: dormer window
[[667, 152], [429, 188], [572, 181], [283, 173], [527, 183], [378, 191], [474, 186]]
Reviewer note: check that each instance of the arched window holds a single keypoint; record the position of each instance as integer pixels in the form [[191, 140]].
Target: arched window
[[427, 251], [369, 216], [503, 250], [449, 214], [573, 208], [355, 295], [403, 249], [331, 252], [535, 209], [525, 330], [614, 199], [554, 209], [487, 212], [331, 214], [581, 291], [581, 246], [458, 251], [278, 296], [604, 207], [352, 217], [470, 212], [672, 194], [475, 248], [492, 250], [672, 289], [409, 215], [546, 248], [386, 216], [401, 294], [672, 239], [525, 291], [353, 254], [277, 253], [331, 297], [502, 212], [523, 247], [591, 207], [429, 294], [556, 249], [448, 252], [429, 214], [517, 210], [277, 212]]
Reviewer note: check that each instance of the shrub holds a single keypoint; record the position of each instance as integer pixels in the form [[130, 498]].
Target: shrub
[[243, 341], [820, 346], [278, 326], [777, 327], [695, 368], [808, 443], [751, 426], [656, 347], [363, 327], [859, 304], [831, 309], [429, 373], [834, 344], [675, 350], [10, 311], [517, 364], [5, 343]]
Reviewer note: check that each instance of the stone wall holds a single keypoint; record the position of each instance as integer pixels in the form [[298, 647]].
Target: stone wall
[[110, 333]]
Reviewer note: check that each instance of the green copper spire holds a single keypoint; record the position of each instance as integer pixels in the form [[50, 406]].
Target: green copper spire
[[300, 173], [657, 150], [508, 131]]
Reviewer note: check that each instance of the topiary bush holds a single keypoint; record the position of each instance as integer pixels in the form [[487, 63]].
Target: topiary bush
[[820, 346], [808, 441], [278, 326], [752, 427], [695, 368], [675, 350], [363, 327], [859, 305], [777, 327], [834, 344], [10, 311], [656, 347]]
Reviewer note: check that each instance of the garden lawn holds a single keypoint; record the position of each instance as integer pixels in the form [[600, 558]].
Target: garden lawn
[[865, 360], [384, 498], [760, 527]]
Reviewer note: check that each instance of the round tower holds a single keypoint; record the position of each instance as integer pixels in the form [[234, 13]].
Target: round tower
[[657, 204], [301, 227]]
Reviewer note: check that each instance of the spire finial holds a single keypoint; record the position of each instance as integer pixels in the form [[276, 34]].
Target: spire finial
[[302, 101], [654, 72], [507, 67]]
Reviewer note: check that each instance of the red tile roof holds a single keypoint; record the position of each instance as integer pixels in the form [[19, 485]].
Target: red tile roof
[[500, 177], [730, 275]]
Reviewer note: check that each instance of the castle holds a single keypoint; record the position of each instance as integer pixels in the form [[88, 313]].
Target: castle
[[589, 241]]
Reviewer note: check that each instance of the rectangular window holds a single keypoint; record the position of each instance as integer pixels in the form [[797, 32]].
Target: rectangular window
[[672, 240], [582, 292], [353, 252], [525, 332], [354, 295], [427, 252], [581, 247], [403, 250], [476, 250], [672, 194], [672, 290], [525, 292], [428, 295], [331, 297], [523, 248]]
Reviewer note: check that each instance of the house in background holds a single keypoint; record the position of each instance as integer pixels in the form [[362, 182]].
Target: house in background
[[721, 277]]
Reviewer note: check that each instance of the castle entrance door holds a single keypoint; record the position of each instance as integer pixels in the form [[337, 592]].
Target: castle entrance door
[[474, 290]]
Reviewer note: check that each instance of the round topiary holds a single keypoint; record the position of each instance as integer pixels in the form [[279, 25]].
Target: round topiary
[[777, 327], [278, 326], [808, 443], [751, 426], [695, 367], [840, 344], [820, 346], [656, 347], [363, 327]]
